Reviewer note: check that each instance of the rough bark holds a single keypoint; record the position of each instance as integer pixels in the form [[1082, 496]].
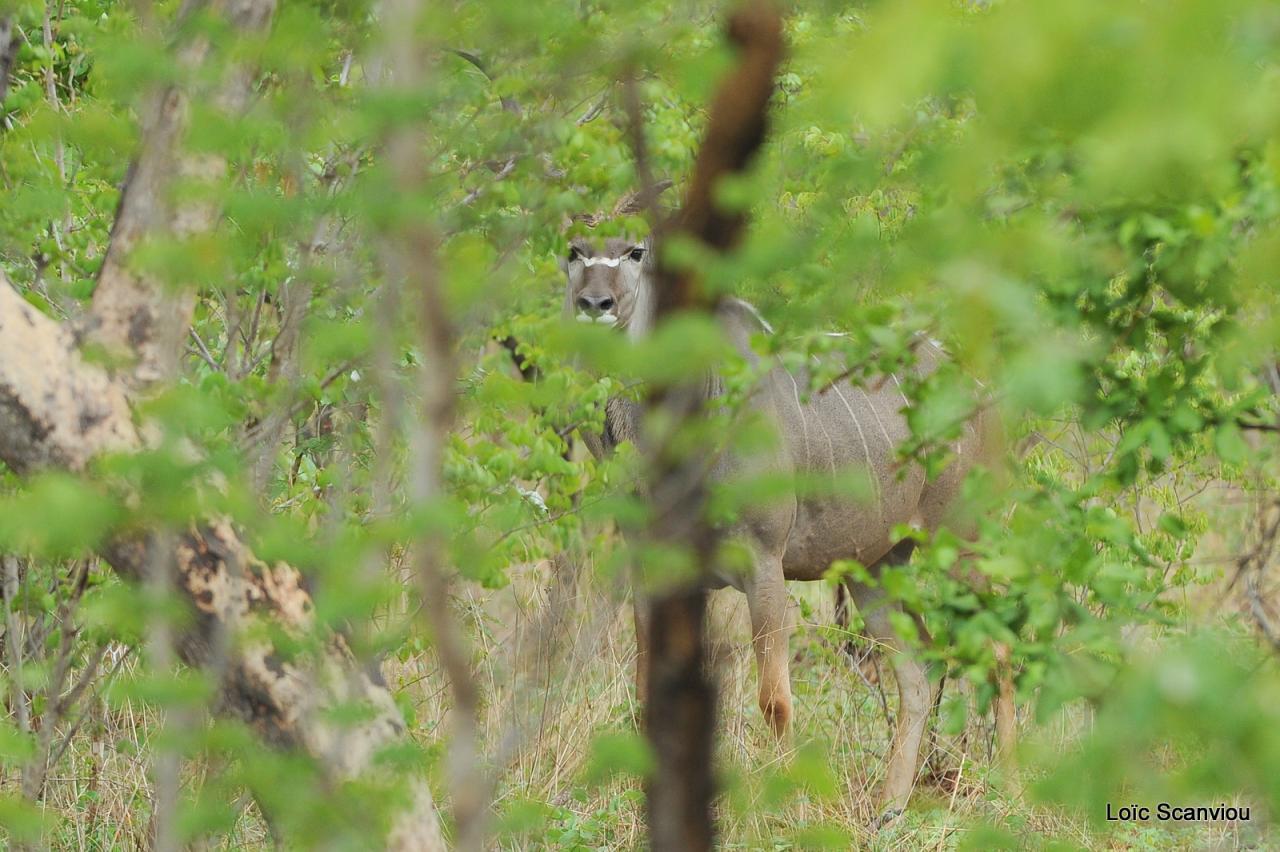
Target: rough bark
[[55, 410], [680, 712], [735, 130], [59, 411], [680, 718]]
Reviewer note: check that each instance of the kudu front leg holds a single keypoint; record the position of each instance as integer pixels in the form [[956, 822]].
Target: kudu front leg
[[770, 638], [915, 698]]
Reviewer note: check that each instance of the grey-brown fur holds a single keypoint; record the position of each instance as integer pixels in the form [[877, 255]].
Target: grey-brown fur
[[844, 430]]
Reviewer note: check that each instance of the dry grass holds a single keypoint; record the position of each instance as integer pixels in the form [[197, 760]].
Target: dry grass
[[838, 716], [552, 686]]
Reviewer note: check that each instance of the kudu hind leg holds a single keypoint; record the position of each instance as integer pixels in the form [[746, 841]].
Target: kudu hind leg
[[916, 690], [770, 638], [861, 653]]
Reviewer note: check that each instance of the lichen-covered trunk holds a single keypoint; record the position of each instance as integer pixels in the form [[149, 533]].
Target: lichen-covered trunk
[[57, 411]]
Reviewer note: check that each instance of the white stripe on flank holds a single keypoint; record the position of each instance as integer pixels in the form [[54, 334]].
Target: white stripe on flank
[[804, 425], [865, 447], [831, 447], [883, 431], [906, 403]]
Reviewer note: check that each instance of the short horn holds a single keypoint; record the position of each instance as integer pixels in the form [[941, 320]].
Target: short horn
[[588, 219], [640, 200]]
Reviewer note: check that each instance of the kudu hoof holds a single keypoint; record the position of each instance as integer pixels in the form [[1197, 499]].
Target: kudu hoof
[[778, 715], [887, 816]]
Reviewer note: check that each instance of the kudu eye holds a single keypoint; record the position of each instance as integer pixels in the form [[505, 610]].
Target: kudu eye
[[637, 254], [574, 254]]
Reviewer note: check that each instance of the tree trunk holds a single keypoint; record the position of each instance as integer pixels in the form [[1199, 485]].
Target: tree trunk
[[680, 713], [680, 718]]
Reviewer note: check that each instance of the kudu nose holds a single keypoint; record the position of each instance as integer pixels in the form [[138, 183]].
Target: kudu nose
[[595, 305]]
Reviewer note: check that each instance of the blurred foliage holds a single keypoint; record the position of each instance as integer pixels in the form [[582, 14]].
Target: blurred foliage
[[1080, 199]]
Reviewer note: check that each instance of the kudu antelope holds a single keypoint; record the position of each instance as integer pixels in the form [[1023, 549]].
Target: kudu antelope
[[842, 429]]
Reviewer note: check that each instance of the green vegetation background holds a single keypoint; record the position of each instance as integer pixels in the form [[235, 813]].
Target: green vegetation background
[[1080, 199]]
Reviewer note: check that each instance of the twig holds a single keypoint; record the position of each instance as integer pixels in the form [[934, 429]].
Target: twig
[[203, 351], [509, 104], [593, 112], [35, 772], [648, 194], [251, 336], [1257, 427], [506, 169], [13, 639], [1252, 564], [99, 685], [257, 432]]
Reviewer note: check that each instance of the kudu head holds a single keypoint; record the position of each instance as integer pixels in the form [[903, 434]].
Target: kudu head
[[610, 281]]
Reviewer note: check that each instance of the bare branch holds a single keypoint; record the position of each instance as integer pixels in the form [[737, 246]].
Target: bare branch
[[509, 104], [593, 112], [204, 353], [1253, 564]]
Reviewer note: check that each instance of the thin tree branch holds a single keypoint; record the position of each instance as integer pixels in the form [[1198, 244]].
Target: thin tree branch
[[203, 352], [411, 263], [9, 43]]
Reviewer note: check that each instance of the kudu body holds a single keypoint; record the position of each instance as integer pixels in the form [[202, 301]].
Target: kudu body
[[841, 430]]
